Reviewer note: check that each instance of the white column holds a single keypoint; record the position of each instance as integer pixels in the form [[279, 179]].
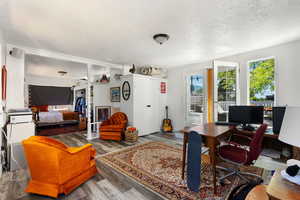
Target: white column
[[88, 102]]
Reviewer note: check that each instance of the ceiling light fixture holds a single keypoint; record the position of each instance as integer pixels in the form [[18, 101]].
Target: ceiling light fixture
[[160, 38], [62, 73]]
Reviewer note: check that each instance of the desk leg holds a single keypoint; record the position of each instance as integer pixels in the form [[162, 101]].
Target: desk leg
[[185, 139], [212, 143]]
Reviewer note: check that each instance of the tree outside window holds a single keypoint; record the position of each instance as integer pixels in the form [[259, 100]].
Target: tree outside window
[[227, 84], [262, 81]]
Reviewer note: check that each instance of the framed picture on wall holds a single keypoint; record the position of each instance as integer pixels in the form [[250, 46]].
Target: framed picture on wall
[[115, 95], [102, 113]]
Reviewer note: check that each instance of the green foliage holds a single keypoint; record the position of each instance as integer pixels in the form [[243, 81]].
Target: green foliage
[[226, 83], [261, 78], [197, 92]]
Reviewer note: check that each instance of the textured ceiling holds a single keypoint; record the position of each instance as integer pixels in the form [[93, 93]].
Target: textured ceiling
[[121, 31]]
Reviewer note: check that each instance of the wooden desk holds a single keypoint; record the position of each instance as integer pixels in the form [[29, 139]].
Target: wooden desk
[[211, 132], [280, 188], [267, 134]]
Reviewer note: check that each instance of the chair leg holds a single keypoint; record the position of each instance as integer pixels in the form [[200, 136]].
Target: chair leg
[[223, 168], [242, 177], [250, 174], [227, 175], [238, 173]]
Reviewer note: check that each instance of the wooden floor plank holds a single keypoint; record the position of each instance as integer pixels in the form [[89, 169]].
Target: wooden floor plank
[[120, 187], [133, 194], [110, 191], [96, 192]]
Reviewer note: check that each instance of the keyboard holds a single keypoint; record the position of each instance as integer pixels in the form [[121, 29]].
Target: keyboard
[[226, 123]]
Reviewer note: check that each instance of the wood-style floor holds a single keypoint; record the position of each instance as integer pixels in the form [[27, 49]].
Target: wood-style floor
[[108, 184]]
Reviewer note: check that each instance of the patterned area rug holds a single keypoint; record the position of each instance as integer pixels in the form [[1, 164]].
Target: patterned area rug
[[158, 166]]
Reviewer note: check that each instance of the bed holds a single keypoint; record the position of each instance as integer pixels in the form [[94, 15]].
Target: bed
[[54, 122]]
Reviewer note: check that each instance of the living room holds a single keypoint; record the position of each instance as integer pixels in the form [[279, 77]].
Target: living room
[[152, 86]]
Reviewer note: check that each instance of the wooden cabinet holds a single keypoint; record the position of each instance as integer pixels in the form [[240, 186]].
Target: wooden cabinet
[[146, 104]]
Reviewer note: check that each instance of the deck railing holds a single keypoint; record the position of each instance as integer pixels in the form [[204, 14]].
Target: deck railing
[[225, 104]]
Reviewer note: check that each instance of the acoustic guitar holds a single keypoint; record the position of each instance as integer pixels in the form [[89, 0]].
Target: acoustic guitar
[[167, 123]]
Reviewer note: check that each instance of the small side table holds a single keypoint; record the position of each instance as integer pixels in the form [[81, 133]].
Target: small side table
[[280, 188], [82, 123]]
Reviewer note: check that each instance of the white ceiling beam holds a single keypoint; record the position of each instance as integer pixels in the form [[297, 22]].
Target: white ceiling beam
[[62, 56]]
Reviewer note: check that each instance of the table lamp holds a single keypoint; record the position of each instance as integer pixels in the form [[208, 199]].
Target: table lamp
[[290, 134]]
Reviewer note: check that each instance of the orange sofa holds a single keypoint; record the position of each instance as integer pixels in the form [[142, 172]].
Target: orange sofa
[[56, 168], [114, 127]]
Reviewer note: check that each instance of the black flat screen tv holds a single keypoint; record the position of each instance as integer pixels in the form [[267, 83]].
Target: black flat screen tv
[[246, 114]]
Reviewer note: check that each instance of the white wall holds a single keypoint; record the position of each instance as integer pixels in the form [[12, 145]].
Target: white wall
[[15, 80], [2, 56], [287, 71], [49, 81], [102, 94], [2, 48]]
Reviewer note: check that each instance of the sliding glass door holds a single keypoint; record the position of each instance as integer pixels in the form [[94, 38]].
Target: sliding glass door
[[226, 88]]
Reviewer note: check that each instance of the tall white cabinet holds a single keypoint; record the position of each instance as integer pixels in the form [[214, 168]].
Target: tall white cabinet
[[145, 107]]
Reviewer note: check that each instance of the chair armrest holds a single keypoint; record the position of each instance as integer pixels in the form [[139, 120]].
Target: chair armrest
[[74, 150], [75, 160]]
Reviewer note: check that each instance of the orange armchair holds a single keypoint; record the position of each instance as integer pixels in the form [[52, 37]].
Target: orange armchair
[[56, 168], [114, 127]]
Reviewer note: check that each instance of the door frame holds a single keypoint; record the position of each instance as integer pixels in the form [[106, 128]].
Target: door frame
[[216, 64]]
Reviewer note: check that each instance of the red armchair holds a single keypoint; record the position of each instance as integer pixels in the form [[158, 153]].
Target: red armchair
[[237, 154], [114, 127]]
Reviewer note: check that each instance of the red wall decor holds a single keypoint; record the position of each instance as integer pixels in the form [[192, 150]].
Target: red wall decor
[[163, 87]]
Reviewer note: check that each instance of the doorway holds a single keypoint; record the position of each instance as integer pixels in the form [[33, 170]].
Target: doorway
[[226, 88]]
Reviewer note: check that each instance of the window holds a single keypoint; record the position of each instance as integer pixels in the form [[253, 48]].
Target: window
[[227, 91], [60, 107], [196, 94], [262, 86], [195, 114], [262, 82]]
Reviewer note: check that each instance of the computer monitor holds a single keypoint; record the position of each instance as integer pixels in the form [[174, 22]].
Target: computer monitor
[[277, 116], [246, 114]]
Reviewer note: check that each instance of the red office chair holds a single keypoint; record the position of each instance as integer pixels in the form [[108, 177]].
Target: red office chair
[[237, 154]]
